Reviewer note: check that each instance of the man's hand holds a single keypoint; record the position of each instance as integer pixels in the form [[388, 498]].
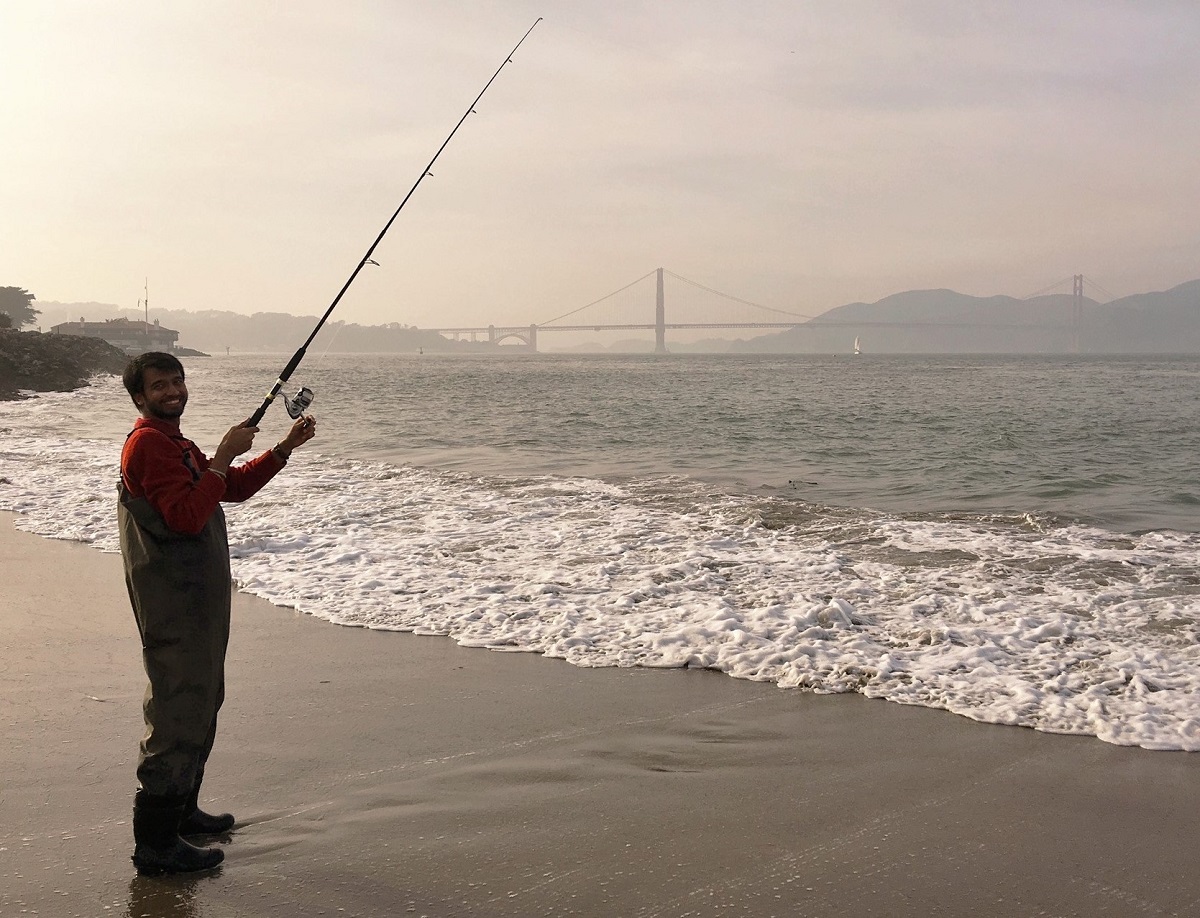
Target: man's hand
[[302, 431], [235, 442]]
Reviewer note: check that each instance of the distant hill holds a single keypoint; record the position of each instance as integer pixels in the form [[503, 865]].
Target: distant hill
[[1163, 322], [942, 321]]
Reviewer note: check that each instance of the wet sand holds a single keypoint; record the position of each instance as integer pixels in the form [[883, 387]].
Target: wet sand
[[380, 774]]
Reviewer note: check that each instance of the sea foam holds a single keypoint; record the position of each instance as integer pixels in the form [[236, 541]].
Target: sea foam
[[1007, 620]]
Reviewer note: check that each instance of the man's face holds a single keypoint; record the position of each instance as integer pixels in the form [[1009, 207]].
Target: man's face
[[163, 394]]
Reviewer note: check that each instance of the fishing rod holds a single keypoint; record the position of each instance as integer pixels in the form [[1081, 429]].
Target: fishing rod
[[302, 399]]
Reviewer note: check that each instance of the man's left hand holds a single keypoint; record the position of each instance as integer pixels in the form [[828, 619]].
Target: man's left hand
[[303, 430]]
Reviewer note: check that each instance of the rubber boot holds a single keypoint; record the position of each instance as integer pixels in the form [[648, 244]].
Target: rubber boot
[[197, 822], [158, 849]]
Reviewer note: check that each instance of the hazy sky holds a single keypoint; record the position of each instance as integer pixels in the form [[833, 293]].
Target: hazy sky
[[798, 154]]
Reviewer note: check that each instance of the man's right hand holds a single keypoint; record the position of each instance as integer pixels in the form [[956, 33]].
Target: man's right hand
[[236, 441]]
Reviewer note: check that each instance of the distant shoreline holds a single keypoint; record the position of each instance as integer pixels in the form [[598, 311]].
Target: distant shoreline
[[912, 322]]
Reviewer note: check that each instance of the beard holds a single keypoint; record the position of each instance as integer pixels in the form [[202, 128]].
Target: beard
[[163, 413]]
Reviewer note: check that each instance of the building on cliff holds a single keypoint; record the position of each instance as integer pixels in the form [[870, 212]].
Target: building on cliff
[[133, 337]]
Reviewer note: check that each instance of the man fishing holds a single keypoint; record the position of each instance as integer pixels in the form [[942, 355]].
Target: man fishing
[[176, 556], [177, 569]]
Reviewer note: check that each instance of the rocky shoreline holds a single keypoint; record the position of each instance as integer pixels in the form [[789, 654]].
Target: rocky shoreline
[[52, 363]]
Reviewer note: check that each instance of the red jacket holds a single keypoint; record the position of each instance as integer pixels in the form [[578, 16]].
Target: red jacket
[[162, 465]]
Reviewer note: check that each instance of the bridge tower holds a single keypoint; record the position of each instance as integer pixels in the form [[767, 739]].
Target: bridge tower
[[1076, 312], [660, 319]]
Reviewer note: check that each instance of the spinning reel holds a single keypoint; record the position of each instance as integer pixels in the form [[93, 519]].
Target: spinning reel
[[298, 403]]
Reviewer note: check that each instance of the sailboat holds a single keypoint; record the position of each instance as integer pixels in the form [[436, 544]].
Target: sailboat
[[857, 347]]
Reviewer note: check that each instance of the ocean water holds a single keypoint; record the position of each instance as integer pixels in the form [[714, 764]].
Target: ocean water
[[1016, 540]]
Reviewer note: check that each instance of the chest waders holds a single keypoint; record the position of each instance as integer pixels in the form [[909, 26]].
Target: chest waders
[[179, 586]]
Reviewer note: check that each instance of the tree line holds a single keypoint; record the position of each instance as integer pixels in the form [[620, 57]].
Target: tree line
[[15, 307]]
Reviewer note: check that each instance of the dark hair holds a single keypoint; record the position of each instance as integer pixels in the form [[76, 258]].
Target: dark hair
[[134, 376]]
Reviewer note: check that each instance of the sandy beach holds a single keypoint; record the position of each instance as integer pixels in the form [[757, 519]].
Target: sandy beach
[[379, 774]]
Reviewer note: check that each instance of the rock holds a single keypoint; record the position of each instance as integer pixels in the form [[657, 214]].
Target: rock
[[53, 363]]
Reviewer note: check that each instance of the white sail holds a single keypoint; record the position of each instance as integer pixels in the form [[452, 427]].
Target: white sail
[[857, 347]]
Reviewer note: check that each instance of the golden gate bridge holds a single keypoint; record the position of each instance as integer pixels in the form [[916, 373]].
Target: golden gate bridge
[[708, 308]]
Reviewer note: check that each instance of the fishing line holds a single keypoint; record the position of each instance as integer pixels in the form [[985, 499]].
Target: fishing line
[[297, 404]]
